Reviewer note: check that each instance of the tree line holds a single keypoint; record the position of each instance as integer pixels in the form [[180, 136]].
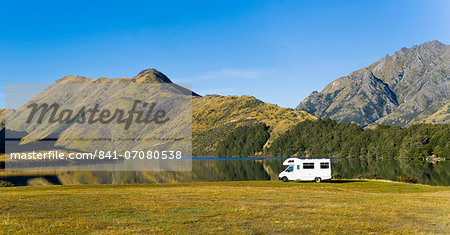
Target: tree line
[[328, 138]]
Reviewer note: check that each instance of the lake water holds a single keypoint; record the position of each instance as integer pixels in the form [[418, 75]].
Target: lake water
[[241, 169]]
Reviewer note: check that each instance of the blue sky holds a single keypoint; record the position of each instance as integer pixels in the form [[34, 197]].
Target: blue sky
[[277, 51]]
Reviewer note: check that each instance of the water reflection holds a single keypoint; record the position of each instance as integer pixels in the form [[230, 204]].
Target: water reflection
[[249, 169], [427, 173]]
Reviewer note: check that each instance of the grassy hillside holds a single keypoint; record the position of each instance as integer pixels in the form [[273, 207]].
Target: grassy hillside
[[214, 117], [440, 116], [2, 118], [228, 207]]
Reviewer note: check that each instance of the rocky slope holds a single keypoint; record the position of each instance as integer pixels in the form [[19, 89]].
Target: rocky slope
[[411, 86]]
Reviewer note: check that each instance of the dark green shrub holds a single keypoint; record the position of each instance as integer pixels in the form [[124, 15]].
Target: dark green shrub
[[369, 175], [407, 179], [337, 175], [5, 183]]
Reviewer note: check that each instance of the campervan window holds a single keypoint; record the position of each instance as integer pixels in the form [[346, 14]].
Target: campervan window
[[308, 165], [324, 165]]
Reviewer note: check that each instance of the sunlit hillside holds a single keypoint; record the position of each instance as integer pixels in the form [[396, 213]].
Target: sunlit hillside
[[215, 116]]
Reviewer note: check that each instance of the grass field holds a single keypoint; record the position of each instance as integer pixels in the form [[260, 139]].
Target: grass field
[[228, 207]]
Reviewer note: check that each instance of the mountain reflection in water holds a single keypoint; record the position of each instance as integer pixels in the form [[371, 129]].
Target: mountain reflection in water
[[242, 169]]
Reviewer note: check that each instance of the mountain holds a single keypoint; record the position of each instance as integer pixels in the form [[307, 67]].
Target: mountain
[[71, 100], [145, 76], [213, 116], [410, 86]]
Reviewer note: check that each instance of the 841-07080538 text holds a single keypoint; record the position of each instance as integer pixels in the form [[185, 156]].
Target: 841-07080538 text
[[99, 154]]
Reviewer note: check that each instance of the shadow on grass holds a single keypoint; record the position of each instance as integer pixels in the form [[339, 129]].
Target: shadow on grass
[[344, 181], [333, 181]]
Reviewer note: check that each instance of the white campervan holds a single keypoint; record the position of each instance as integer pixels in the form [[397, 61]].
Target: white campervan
[[306, 169]]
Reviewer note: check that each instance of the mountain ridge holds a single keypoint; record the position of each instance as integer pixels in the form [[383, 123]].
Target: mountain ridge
[[400, 89], [213, 116]]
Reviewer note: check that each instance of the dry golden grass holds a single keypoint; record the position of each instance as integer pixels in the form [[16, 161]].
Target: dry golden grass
[[440, 116], [227, 207], [213, 111]]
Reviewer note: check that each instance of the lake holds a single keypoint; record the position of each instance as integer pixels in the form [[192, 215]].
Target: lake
[[241, 169]]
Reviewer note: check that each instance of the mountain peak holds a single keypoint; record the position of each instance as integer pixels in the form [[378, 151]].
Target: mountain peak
[[151, 76], [401, 89], [435, 46], [434, 43], [73, 79]]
